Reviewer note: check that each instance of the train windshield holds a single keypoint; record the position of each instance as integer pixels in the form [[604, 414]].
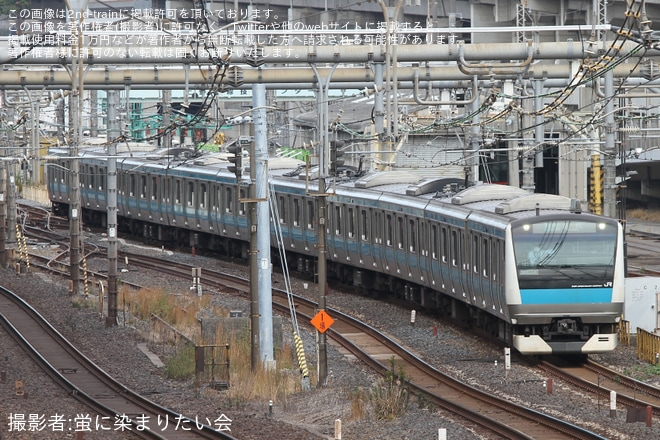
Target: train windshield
[[564, 252]]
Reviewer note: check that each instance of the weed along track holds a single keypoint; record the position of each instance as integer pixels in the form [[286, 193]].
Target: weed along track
[[497, 415], [380, 353], [91, 385]]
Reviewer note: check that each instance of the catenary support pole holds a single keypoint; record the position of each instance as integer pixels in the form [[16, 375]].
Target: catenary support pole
[[260, 163], [3, 215], [609, 177], [113, 134]]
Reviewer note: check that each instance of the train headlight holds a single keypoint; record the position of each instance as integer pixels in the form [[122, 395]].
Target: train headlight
[[602, 226], [526, 228]]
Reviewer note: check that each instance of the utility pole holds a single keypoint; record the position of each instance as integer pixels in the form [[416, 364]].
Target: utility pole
[[11, 201], [113, 134], [93, 111], [3, 215], [528, 143], [321, 243], [259, 162], [167, 134], [473, 163], [539, 133], [76, 103], [609, 178], [255, 333]]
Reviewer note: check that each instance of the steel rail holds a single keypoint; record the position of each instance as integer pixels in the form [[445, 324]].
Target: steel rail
[[89, 383]]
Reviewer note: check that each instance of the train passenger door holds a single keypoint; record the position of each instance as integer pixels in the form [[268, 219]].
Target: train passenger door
[[377, 251], [433, 259], [141, 197], [102, 181], [153, 187], [477, 294], [389, 254], [177, 205], [203, 207], [337, 238], [455, 262], [296, 222], [424, 252], [351, 237], [497, 276], [401, 252], [364, 238], [309, 231], [215, 208], [189, 203], [487, 281], [283, 219], [411, 225]]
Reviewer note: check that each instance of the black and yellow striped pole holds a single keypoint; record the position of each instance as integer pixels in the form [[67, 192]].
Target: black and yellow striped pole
[[85, 278], [596, 180], [302, 362], [22, 248]]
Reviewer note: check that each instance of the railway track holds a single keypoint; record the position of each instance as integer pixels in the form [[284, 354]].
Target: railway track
[[85, 381], [377, 351], [601, 381]]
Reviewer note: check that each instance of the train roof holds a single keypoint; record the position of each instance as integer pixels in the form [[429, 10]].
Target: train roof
[[490, 203]]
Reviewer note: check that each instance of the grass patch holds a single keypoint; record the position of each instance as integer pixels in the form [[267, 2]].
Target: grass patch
[[643, 372], [645, 215], [182, 312], [264, 383], [181, 366], [390, 396], [84, 302]]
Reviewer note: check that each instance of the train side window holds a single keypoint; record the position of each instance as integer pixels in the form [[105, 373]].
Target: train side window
[[154, 188], [338, 219], [400, 232], [351, 222], [434, 242], [412, 235], [388, 230], [203, 195], [190, 194], [364, 223], [444, 245], [296, 212], [310, 214], [229, 199]]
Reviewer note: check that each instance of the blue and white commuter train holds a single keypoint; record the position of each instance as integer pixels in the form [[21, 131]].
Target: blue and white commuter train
[[531, 269]]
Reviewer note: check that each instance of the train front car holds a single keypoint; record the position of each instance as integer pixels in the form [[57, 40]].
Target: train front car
[[565, 290]]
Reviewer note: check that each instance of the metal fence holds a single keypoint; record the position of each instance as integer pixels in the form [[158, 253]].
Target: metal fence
[[648, 346], [624, 332]]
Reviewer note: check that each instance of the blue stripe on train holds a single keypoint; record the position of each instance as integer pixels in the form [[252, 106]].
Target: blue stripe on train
[[566, 296]]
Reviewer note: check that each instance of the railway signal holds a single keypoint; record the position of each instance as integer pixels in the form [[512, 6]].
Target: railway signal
[[236, 157], [336, 154]]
